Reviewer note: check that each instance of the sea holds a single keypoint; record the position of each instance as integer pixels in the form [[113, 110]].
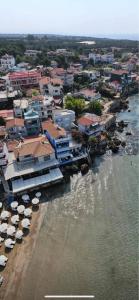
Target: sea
[[88, 240]]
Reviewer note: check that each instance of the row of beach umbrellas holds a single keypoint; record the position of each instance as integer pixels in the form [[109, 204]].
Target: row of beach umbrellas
[[10, 230]]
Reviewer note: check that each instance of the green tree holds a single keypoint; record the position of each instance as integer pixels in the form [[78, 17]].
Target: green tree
[[95, 107], [2, 121], [75, 104]]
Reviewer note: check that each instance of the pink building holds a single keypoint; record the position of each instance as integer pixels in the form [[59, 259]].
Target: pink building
[[26, 79]]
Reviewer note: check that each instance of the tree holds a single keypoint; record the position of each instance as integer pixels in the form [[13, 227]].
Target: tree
[[2, 121], [95, 107], [75, 104]]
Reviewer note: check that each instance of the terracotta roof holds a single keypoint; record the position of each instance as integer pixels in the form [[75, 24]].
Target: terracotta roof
[[88, 92], [14, 122], [54, 81], [11, 145], [6, 113], [35, 147], [54, 130], [45, 80], [22, 75], [88, 119], [119, 72]]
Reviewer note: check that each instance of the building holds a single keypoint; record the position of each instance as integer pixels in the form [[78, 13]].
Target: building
[[64, 118], [24, 79], [51, 86], [7, 62], [105, 58], [108, 120], [119, 75], [43, 105], [58, 139], [32, 122], [66, 149], [32, 53], [7, 114], [31, 164], [16, 128], [65, 75], [88, 94], [90, 124], [92, 75], [20, 106]]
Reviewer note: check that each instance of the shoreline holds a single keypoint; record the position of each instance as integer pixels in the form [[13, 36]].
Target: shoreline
[[19, 258]]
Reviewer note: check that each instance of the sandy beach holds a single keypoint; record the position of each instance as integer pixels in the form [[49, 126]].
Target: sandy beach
[[19, 258]]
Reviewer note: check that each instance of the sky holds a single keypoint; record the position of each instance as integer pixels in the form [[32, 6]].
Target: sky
[[70, 17]]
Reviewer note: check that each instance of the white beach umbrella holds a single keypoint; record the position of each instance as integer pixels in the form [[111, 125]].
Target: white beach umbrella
[[3, 227], [14, 205], [9, 243], [3, 260], [1, 204], [25, 223], [38, 194], [5, 215], [27, 212], [1, 239], [19, 234], [35, 201], [25, 198], [15, 219], [21, 209], [11, 230]]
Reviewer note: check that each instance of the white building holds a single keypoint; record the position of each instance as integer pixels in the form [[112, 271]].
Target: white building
[[51, 86], [32, 53], [7, 62], [43, 105], [105, 58], [65, 75], [32, 164], [64, 118]]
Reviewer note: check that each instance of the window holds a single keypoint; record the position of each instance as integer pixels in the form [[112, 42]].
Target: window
[[47, 157]]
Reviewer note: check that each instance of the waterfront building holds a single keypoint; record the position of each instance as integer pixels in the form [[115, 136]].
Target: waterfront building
[[31, 164], [90, 124], [7, 62], [66, 149], [108, 120]]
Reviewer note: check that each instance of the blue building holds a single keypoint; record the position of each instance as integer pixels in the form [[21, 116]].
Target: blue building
[[32, 122]]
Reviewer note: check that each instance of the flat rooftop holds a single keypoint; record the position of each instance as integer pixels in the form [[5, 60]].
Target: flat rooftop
[[20, 185], [14, 169]]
